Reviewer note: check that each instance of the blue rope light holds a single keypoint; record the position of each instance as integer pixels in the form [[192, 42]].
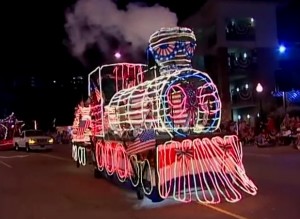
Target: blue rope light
[[291, 96]]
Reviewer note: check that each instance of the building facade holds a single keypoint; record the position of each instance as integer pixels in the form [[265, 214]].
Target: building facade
[[237, 45]]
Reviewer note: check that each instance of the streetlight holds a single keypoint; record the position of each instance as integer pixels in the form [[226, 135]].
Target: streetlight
[[117, 55], [35, 125], [282, 49], [259, 89]]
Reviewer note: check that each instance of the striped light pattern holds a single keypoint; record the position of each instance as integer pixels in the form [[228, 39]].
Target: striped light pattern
[[178, 100], [206, 170], [82, 124], [172, 47], [209, 169], [119, 72], [150, 105]]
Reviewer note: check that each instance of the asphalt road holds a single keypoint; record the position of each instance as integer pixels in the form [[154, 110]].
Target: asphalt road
[[49, 186]]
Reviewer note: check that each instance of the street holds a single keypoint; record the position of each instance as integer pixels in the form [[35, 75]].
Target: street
[[48, 185]]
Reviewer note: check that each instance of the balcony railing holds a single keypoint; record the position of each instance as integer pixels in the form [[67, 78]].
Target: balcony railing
[[240, 66], [242, 61], [243, 98], [240, 30]]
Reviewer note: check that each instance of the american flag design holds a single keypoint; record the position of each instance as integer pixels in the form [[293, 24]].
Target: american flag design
[[149, 117], [96, 111], [165, 50], [110, 118], [145, 141], [82, 133], [190, 48], [185, 152], [96, 121], [178, 112], [95, 91], [85, 113]]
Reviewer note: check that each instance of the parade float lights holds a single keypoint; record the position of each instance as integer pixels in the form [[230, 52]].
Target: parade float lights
[[201, 167], [8, 126], [172, 48], [168, 103], [5, 131], [118, 55], [175, 100], [148, 104]]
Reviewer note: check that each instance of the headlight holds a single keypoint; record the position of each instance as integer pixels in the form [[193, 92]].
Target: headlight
[[50, 140], [31, 141]]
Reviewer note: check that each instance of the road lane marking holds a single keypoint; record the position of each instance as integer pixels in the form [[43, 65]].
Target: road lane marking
[[11, 157], [5, 164], [56, 157], [220, 210]]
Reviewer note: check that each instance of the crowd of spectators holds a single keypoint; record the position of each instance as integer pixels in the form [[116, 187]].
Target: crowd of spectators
[[272, 131]]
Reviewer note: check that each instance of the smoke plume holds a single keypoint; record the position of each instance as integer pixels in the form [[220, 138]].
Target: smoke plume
[[97, 22]]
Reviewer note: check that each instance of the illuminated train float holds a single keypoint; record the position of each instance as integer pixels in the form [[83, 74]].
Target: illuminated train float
[[157, 127]]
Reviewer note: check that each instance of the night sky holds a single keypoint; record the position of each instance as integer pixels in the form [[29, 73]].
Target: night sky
[[33, 38], [33, 35]]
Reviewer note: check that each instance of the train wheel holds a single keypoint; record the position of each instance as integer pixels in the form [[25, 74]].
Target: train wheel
[[155, 196], [140, 193], [97, 173], [16, 147], [147, 186]]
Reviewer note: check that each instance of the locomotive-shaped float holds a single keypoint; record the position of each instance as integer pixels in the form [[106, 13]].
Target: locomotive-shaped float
[[156, 126]]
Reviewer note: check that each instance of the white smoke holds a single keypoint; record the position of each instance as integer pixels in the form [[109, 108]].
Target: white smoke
[[92, 22]]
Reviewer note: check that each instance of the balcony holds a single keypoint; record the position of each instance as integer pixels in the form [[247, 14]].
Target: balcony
[[241, 64], [241, 29], [243, 97]]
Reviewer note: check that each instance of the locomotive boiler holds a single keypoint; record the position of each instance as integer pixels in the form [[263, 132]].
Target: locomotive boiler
[[157, 126], [178, 100]]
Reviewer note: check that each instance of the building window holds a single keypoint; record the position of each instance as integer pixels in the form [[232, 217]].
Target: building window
[[240, 29], [241, 58], [32, 82], [77, 80], [242, 93]]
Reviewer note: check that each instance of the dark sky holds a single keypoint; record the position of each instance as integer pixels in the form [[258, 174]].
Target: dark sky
[[32, 34]]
